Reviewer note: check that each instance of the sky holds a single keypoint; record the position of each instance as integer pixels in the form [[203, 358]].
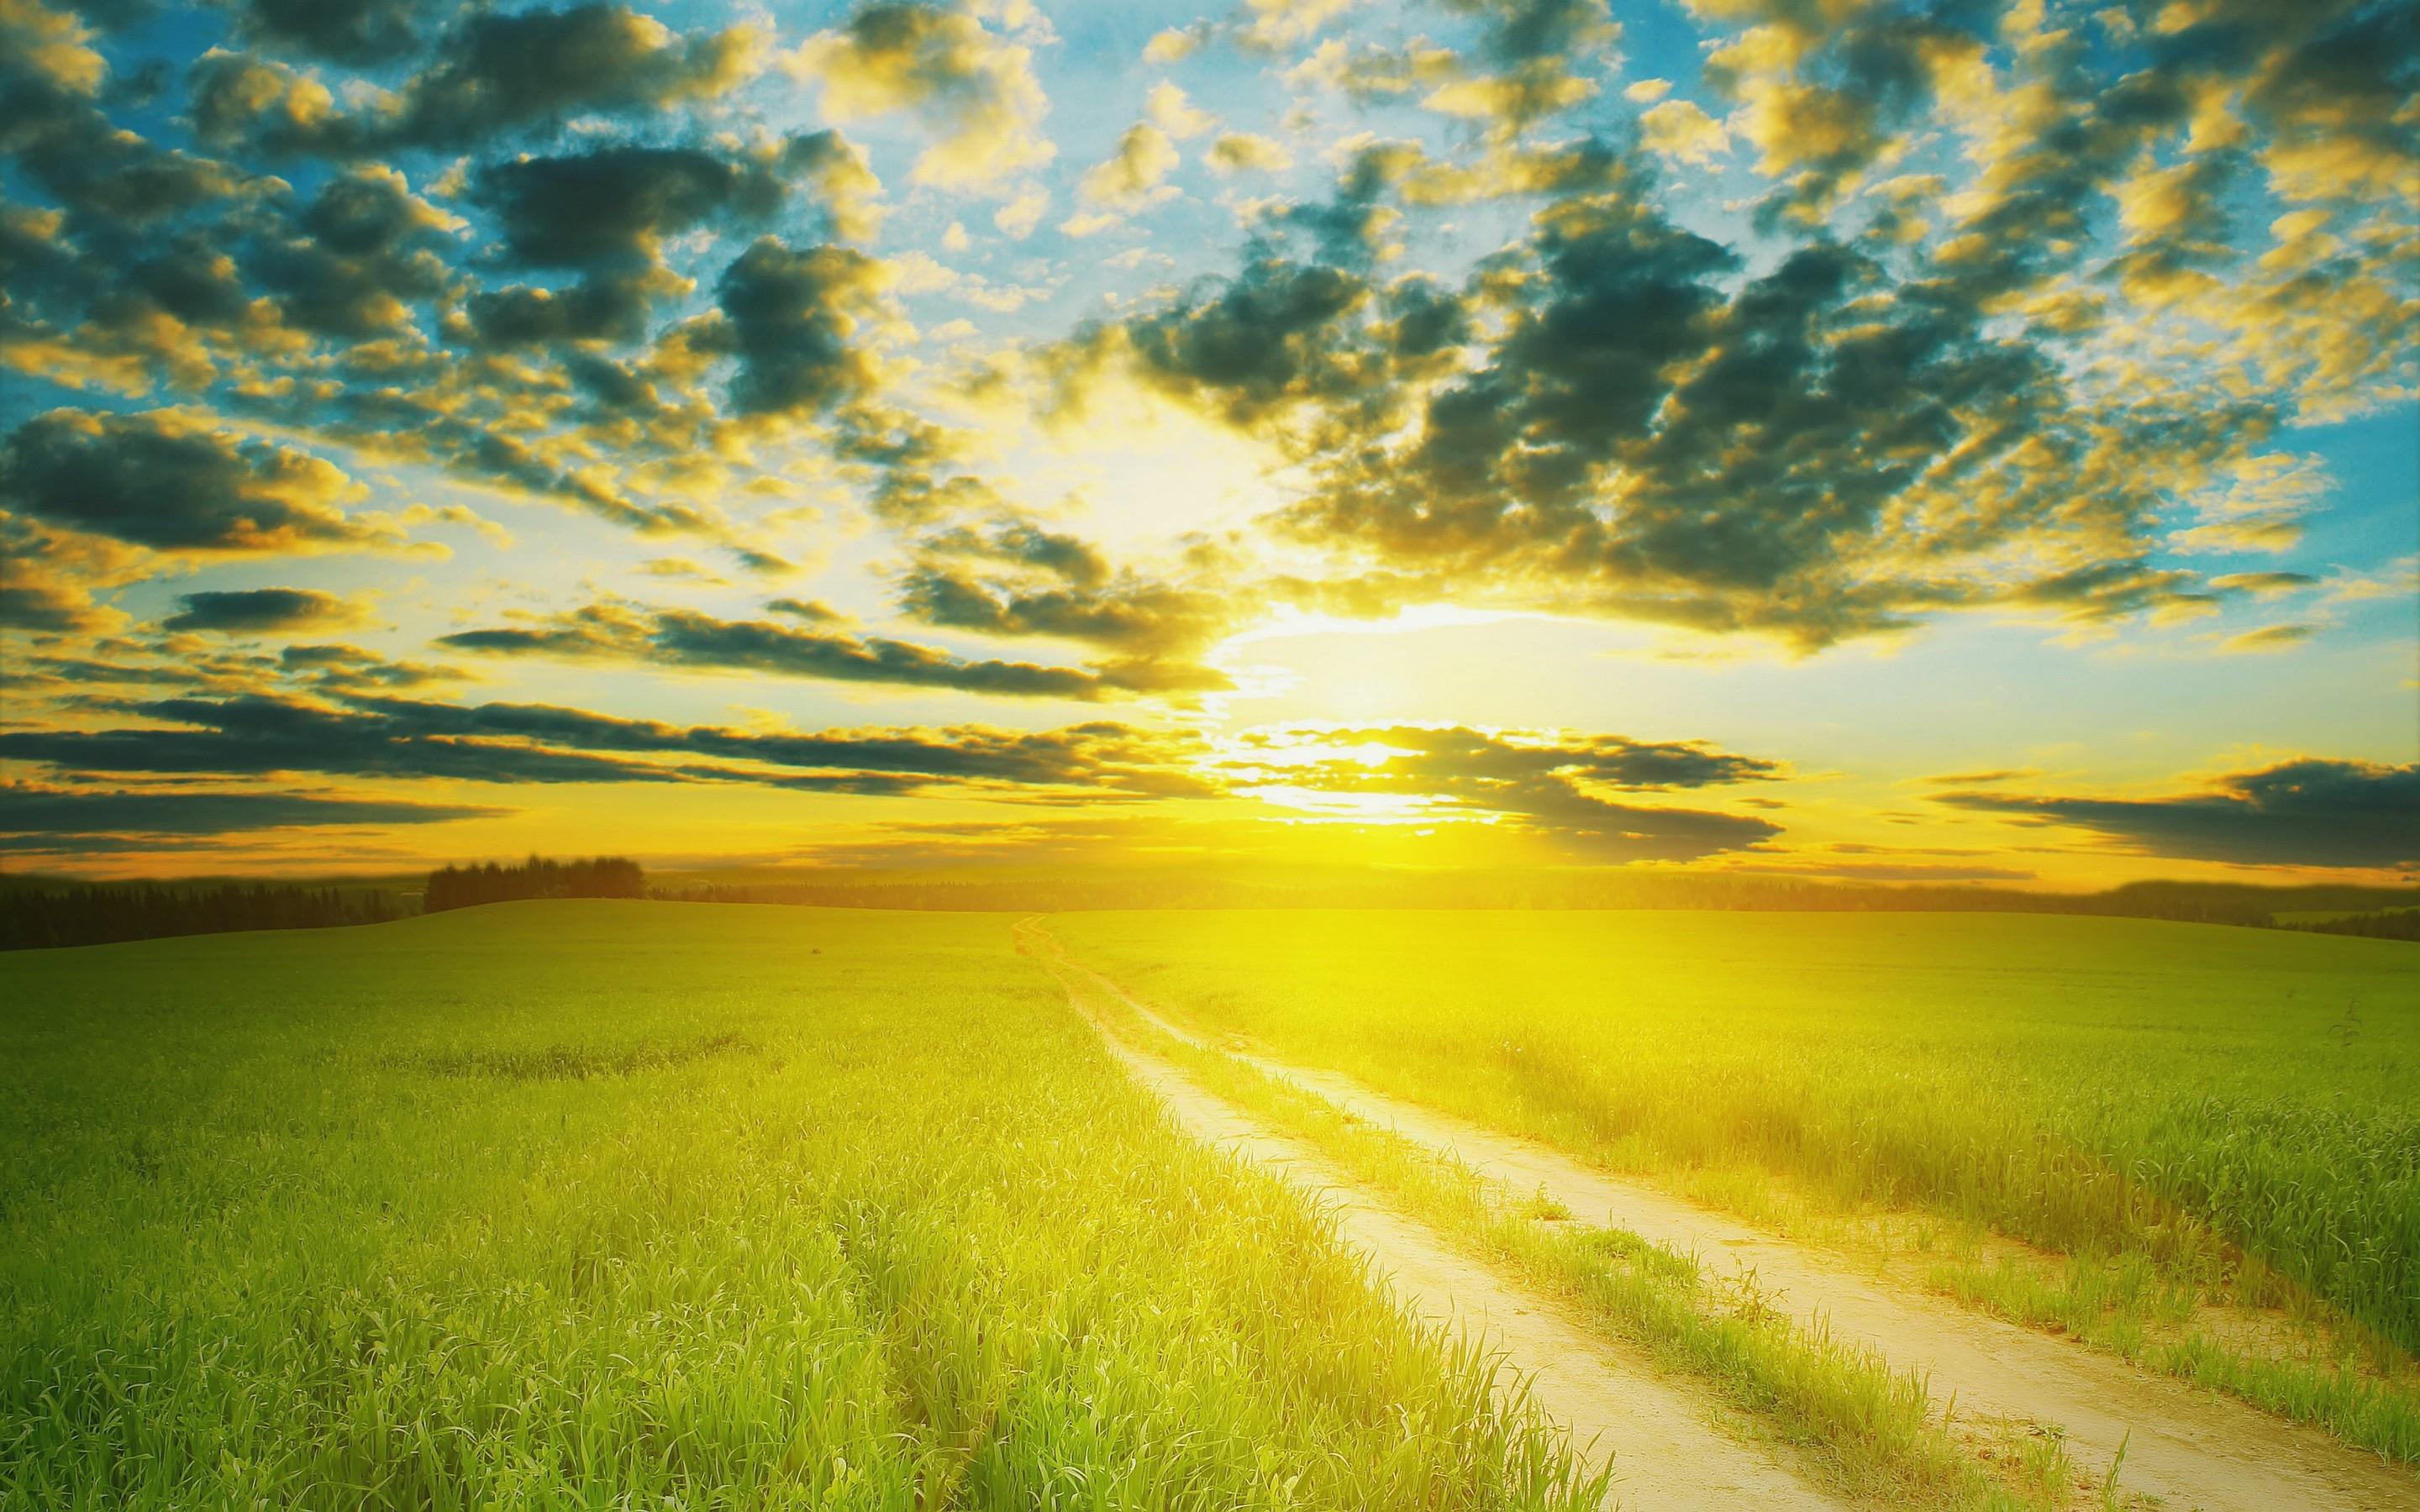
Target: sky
[[1869, 442]]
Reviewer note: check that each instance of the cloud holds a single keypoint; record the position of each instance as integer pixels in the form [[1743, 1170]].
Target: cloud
[[613, 205], [355, 261], [678, 637], [1023, 212], [940, 63], [1172, 45], [1236, 152], [2114, 589], [791, 318], [605, 214], [366, 734], [64, 814], [172, 483], [2267, 639], [1552, 783], [1274, 337], [1172, 113], [1678, 131], [46, 590], [356, 32], [2263, 584], [343, 669], [2313, 811], [262, 611], [1016, 579], [261, 735], [1647, 435], [1131, 176], [1272, 25], [495, 72]]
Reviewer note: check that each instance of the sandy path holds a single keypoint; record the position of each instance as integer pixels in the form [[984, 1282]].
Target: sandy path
[[1666, 1452], [2192, 1449]]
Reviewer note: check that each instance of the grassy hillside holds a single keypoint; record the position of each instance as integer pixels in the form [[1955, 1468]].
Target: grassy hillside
[[2189, 1115], [619, 1204]]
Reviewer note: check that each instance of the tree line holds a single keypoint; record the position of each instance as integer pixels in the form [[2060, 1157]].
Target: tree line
[[2386, 924], [36, 914], [36, 918], [1113, 887], [464, 886]]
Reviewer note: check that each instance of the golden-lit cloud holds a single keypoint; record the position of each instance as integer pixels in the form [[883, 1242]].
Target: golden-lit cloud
[[978, 88]]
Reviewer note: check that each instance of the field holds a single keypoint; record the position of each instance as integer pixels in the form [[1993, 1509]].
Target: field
[[2198, 1147], [609, 1204], [620, 1205]]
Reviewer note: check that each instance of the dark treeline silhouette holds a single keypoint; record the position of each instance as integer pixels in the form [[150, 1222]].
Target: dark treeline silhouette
[[38, 916], [36, 912], [462, 886], [2203, 903], [2387, 925]]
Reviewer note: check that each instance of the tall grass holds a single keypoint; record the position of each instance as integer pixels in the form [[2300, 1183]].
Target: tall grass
[[604, 1204], [2237, 1106]]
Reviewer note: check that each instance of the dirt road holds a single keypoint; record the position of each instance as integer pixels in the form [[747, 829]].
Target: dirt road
[[2192, 1449], [1667, 1450]]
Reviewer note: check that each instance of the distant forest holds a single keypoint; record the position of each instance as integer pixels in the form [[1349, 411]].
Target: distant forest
[[33, 917], [36, 912], [2200, 902], [465, 886], [2386, 924]]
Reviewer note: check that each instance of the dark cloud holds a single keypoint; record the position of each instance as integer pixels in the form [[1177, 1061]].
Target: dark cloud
[[498, 72], [353, 262], [31, 603], [54, 127], [1520, 30], [354, 668], [813, 613], [1649, 437], [609, 307], [679, 637], [2112, 590], [162, 481], [255, 611], [26, 811], [2314, 811], [614, 205], [1553, 784], [367, 735], [604, 213], [261, 735], [790, 318], [1273, 336], [357, 32], [1015, 579], [36, 594], [1158, 628], [1421, 751]]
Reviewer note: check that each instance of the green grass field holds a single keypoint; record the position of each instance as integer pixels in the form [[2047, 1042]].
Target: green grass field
[[618, 1205], [2209, 1137]]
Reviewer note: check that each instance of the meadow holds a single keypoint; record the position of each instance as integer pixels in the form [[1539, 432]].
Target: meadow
[[2194, 1145], [610, 1204]]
